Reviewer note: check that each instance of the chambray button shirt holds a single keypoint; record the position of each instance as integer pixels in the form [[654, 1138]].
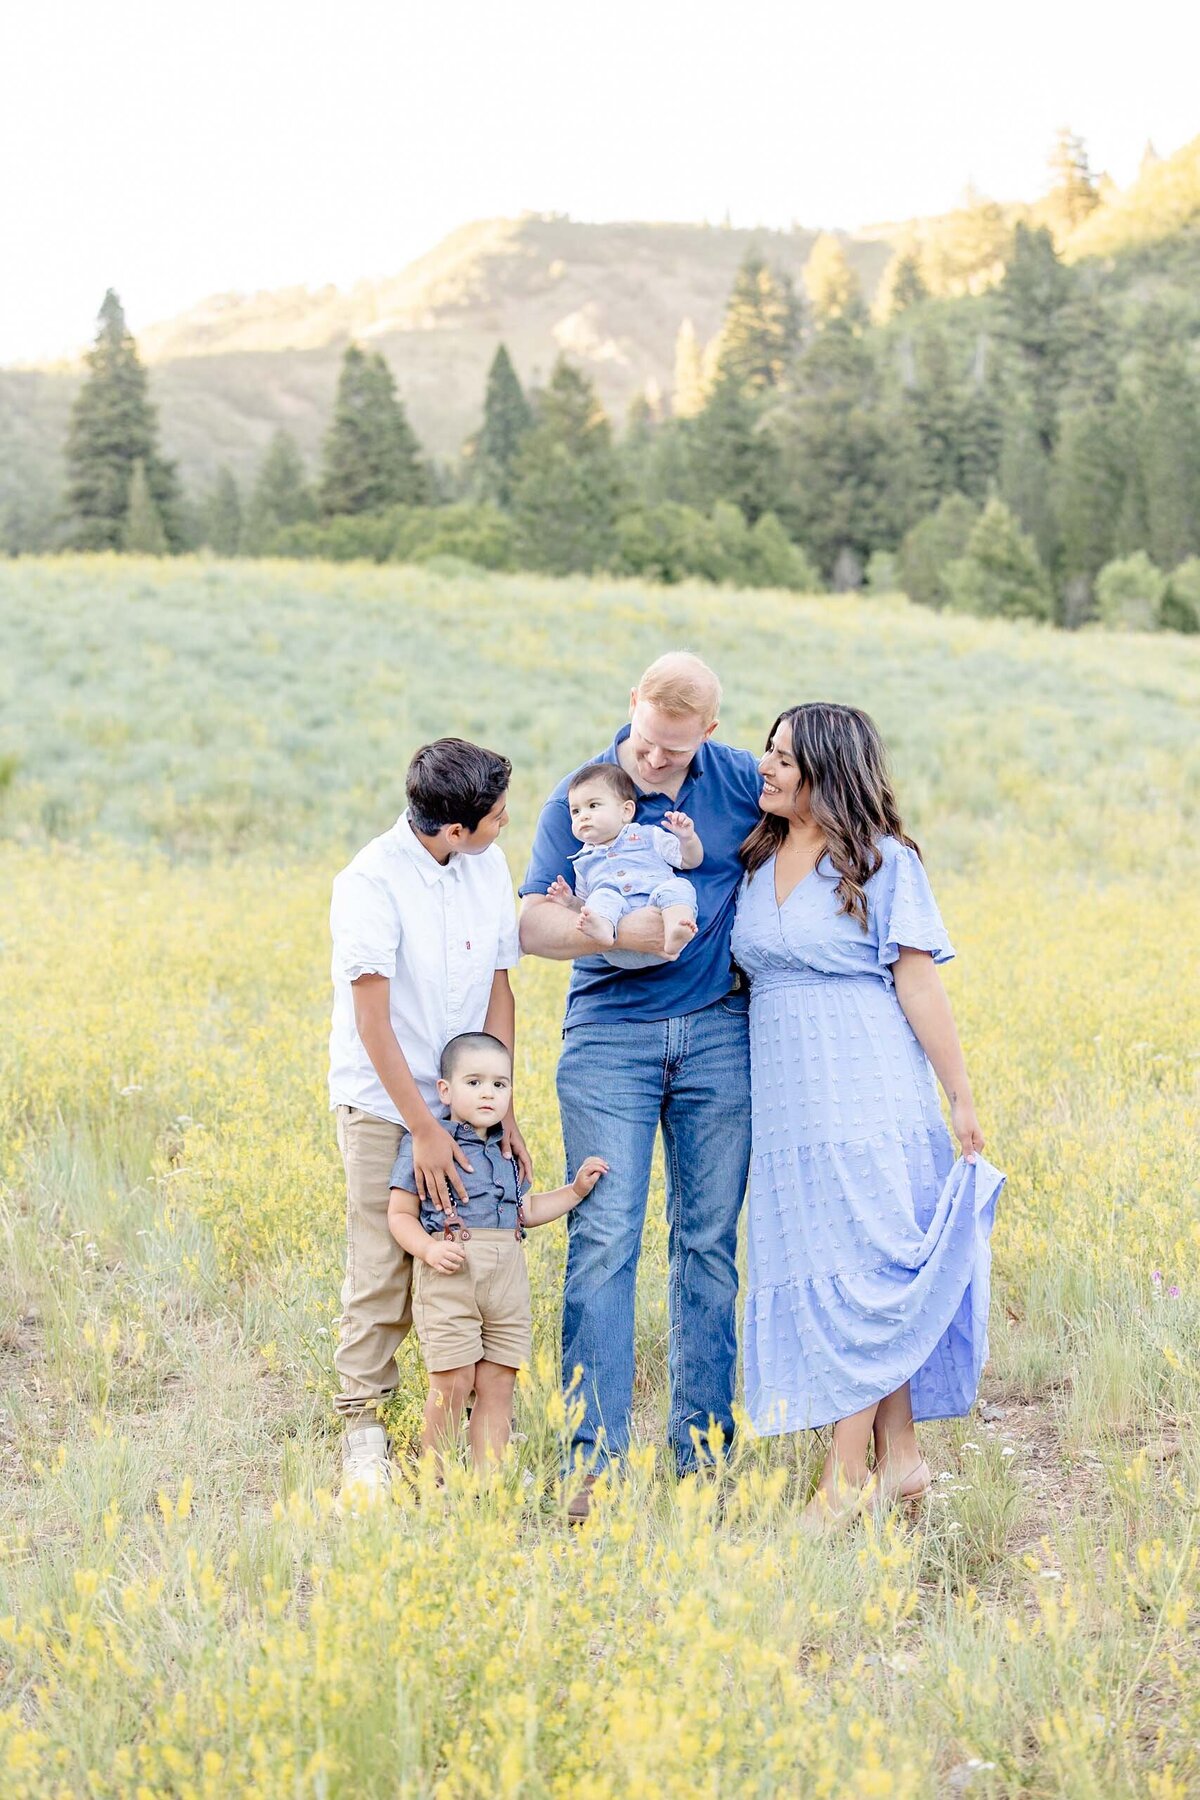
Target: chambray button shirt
[[491, 1181]]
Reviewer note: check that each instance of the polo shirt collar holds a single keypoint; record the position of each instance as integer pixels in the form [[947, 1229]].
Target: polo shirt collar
[[429, 867]]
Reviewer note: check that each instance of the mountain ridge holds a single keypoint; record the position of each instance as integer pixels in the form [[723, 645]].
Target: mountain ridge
[[234, 368]]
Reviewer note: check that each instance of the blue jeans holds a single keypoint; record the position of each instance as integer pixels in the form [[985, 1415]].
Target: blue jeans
[[616, 1084]]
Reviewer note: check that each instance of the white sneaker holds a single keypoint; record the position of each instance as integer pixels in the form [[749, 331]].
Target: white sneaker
[[366, 1471]]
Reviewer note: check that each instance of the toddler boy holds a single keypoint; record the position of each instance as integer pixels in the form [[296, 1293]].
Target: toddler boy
[[623, 866], [470, 1301]]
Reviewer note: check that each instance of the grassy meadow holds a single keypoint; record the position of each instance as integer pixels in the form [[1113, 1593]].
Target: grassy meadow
[[188, 752]]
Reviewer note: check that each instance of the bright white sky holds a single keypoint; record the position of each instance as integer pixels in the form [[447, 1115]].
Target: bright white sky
[[178, 148]]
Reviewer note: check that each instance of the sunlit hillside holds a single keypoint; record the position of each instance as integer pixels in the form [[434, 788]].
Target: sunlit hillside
[[188, 751], [236, 367]]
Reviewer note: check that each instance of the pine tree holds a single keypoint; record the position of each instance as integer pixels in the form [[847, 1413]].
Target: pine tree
[[1033, 296], [935, 406], [1088, 349], [506, 420], [833, 287], [999, 574], [143, 533], [113, 427], [980, 436], [568, 493], [903, 285], [636, 450], [1088, 488], [844, 483], [1131, 523], [221, 523], [760, 334], [733, 457], [666, 471], [931, 546], [281, 496], [690, 391], [966, 253], [1074, 193], [371, 457], [1024, 478], [1168, 445]]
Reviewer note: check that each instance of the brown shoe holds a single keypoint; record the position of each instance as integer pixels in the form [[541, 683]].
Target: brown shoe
[[581, 1503]]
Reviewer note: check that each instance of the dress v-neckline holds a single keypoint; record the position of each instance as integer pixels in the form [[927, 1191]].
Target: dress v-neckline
[[796, 885]]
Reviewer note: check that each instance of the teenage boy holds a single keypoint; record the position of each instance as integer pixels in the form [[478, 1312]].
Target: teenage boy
[[424, 933], [664, 1045]]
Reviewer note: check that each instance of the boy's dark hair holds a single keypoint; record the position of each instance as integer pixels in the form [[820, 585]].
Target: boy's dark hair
[[609, 775], [451, 782], [464, 1045]]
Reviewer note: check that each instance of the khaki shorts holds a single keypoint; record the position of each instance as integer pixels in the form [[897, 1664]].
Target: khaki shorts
[[480, 1314]]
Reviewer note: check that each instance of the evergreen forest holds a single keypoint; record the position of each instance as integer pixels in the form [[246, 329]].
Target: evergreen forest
[[1008, 426]]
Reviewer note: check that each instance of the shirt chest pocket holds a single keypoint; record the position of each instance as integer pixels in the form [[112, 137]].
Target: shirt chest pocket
[[471, 952]]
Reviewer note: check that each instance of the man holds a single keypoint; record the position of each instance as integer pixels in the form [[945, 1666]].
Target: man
[[661, 1045], [424, 933]]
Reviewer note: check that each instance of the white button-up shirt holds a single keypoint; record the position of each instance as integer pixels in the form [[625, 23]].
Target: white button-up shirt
[[438, 932]]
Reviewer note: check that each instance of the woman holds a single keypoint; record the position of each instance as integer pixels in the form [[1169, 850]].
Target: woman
[[869, 1258]]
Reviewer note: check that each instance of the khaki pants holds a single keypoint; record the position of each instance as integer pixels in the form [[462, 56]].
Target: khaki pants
[[377, 1291]]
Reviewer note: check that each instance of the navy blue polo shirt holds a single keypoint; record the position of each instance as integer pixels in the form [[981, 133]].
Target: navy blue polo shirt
[[720, 794]]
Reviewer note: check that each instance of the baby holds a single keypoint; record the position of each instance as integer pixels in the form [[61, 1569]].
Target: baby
[[624, 866], [470, 1300]]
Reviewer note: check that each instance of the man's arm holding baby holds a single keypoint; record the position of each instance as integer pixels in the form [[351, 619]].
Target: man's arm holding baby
[[540, 1209], [549, 924], [550, 928], [404, 1222]]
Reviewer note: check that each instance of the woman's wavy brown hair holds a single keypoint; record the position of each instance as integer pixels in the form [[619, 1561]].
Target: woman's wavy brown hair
[[841, 758]]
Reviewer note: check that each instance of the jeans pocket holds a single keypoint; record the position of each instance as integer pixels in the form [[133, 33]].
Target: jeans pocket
[[736, 1005]]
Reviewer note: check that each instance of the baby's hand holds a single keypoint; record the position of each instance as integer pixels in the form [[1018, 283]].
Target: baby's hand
[[560, 892], [445, 1255], [590, 1171], [680, 825]]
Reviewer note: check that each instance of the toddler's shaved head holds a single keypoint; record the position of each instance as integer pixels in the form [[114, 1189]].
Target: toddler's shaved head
[[467, 1044]]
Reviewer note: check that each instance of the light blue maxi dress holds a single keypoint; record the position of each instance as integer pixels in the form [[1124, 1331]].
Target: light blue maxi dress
[[869, 1257]]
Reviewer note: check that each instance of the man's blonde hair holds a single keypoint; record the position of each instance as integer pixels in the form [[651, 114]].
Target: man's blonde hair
[[681, 685]]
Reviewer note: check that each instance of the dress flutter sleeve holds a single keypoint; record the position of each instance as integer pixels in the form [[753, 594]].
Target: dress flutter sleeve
[[903, 911]]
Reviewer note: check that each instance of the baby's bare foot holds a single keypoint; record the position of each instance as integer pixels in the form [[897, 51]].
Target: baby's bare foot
[[597, 927], [677, 933]]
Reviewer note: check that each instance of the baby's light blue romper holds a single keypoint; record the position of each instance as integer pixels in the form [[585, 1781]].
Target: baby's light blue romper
[[637, 869]]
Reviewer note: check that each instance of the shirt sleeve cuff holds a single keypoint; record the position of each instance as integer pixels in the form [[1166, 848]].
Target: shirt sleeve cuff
[[352, 964]]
